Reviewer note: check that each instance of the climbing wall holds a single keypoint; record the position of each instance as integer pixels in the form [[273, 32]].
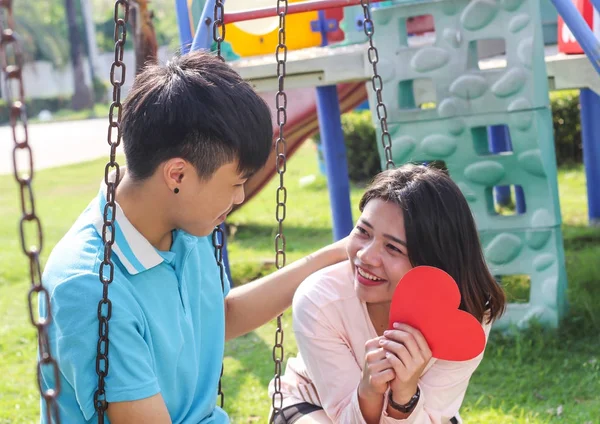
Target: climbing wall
[[442, 100]]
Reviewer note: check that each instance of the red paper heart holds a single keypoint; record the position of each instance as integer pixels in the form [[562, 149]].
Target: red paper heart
[[427, 299]]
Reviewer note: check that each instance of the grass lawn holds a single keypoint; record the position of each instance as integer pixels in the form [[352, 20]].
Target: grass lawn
[[536, 376], [99, 110]]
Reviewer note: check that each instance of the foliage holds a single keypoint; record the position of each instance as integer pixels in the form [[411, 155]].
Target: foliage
[[43, 28], [35, 106], [567, 126], [165, 25], [361, 145]]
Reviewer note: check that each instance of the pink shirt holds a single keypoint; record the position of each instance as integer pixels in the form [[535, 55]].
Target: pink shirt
[[332, 326]]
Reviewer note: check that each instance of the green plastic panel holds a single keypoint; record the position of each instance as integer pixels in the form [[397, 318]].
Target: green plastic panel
[[538, 254], [448, 72], [462, 144]]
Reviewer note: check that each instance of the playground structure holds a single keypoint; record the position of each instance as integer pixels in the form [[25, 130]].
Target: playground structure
[[491, 125], [485, 66]]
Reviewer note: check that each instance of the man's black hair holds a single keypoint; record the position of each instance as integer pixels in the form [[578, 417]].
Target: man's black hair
[[198, 108]]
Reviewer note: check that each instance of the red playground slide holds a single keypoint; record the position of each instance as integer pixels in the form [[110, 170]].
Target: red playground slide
[[302, 122]]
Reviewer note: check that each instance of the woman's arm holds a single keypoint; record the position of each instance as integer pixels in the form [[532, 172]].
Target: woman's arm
[[254, 304]]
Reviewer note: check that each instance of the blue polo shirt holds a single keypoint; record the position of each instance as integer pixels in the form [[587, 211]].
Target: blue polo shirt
[[167, 330]]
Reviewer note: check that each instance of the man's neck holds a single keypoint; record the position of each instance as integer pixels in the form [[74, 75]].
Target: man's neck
[[138, 201]]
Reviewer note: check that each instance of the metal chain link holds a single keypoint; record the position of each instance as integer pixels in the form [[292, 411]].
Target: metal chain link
[[11, 57], [219, 26], [218, 236], [377, 83], [107, 269], [280, 212], [217, 240]]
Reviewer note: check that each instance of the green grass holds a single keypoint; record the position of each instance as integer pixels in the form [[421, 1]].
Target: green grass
[[524, 378], [100, 110]]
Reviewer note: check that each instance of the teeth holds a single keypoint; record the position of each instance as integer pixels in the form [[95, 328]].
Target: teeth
[[367, 275]]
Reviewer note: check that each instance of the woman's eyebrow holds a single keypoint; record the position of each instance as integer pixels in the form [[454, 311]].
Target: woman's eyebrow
[[389, 236]]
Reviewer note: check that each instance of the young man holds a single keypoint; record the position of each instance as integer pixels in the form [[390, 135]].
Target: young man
[[193, 133]]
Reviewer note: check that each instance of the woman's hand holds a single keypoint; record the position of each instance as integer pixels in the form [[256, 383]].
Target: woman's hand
[[338, 250], [377, 371], [408, 352]]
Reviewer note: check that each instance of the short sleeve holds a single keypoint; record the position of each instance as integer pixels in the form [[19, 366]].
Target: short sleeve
[[208, 250], [74, 338], [226, 284]]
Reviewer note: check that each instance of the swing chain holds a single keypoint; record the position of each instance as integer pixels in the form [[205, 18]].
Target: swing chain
[[280, 144], [11, 57], [280, 212], [377, 83], [218, 236], [217, 240], [219, 26], [106, 273]]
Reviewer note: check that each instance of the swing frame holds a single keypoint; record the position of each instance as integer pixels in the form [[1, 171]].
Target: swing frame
[[12, 69]]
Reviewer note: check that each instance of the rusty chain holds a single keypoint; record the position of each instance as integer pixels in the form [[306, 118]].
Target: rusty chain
[[218, 235], [106, 274], [11, 57], [217, 239], [219, 26], [280, 211], [377, 83]]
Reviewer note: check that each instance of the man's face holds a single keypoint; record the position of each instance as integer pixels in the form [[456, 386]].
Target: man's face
[[205, 203]]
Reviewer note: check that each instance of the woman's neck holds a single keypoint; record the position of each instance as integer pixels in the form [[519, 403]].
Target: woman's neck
[[379, 314]]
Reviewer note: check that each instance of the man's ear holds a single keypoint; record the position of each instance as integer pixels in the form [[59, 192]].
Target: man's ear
[[174, 171]]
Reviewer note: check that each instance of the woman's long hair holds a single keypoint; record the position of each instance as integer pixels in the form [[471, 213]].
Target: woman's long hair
[[441, 232]]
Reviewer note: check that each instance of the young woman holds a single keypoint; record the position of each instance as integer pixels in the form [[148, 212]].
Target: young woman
[[351, 369]]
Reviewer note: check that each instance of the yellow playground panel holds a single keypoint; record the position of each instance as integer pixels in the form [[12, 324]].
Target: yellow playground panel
[[259, 36]]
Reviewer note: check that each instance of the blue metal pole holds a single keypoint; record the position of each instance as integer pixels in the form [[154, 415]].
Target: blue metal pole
[[334, 151], [580, 29], [498, 141], [183, 22], [322, 28], [520, 200], [204, 37], [590, 131], [596, 4]]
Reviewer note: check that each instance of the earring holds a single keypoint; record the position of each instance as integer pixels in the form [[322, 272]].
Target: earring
[[176, 190]]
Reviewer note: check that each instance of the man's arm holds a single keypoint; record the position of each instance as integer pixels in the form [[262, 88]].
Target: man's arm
[[151, 410], [254, 304]]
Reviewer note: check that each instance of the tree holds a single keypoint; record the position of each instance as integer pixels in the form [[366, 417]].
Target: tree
[[164, 24], [82, 96], [41, 24], [146, 46]]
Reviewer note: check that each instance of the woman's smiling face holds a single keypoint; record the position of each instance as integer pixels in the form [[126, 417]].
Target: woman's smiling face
[[377, 251]]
